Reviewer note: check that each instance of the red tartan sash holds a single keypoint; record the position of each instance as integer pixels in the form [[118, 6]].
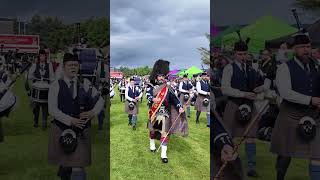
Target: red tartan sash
[[155, 107]]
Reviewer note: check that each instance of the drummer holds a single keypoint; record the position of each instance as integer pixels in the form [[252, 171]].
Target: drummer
[[41, 72]]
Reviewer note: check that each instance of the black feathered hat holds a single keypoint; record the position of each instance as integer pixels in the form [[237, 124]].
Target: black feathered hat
[[160, 67], [241, 45], [301, 38]]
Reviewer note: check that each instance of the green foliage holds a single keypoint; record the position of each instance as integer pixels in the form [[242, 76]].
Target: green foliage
[[141, 71], [56, 35]]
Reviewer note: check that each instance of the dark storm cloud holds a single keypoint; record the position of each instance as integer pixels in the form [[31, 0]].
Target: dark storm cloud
[[227, 12], [68, 10], [143, 31]]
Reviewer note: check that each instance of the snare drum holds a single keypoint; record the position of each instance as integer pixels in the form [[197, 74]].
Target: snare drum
[[39, 92]]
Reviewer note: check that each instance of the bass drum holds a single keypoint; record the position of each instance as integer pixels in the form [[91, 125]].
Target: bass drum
[[112, 93], [7, 103]]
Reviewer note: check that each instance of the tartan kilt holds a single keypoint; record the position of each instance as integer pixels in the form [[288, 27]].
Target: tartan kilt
[[285, 139], [199, 104], [135, 110], [232, 124], [80, 158]]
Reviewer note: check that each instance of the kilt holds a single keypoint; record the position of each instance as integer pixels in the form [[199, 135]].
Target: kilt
[[199, 104], [135, 110], [233, 170], [232, 124], [183, 102], [285, 139], [80, 158]]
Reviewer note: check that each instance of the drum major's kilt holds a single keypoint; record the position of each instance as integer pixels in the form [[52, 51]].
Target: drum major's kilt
[[285, 139], [80, 158], [199, 104], [232, 124], [134, 111]]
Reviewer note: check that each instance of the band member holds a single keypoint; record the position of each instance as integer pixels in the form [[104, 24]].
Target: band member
[[7, 99], [268, 68], [296, 132], [185, 89], [41, 73], [222, 151], [104, 89], [166, 115], [73, 102], [239, 83], [132, 95], [203, 99], [122, 88]]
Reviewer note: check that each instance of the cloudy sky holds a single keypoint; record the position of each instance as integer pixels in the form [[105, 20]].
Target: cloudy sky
[[68, 10], [143, 31], [227, 12]]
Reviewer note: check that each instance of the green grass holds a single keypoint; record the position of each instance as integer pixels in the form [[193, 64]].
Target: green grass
[[189, 158], [23, 155], [298, 169]]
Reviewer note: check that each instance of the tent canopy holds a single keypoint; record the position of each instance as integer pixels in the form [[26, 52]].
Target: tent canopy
[[265, 28], [313, 31], [217, 40]]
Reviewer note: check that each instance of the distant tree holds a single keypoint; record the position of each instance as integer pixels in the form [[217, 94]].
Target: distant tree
[[205, 53]]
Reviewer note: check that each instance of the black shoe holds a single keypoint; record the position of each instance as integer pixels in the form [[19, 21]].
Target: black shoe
[[252, 173], [164, 160], [188, 116], [134, 128], [197, 122], [153, 151], [129, 124], [208, 126]]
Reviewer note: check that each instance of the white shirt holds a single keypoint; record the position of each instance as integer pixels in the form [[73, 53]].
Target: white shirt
[[283, 82], [180, 87], [53, 100], [127, 91], [226, 82], [199, 90], [33, 69]]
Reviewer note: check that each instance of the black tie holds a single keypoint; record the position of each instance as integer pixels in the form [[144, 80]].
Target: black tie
[[244, 70], [71, 88]]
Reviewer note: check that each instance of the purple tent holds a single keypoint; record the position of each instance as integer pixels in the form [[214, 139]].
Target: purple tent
[[173, 72]]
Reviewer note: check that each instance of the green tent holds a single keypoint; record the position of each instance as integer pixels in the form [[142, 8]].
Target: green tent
[[192, 71], [217, 40], [265, 28]]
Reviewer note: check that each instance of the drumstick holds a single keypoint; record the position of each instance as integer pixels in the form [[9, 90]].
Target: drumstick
[[246, 132]]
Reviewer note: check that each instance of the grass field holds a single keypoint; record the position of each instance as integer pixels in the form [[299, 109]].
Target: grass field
[[23, 155], [132, 159]]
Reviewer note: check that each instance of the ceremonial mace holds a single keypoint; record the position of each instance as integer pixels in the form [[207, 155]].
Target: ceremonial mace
[[246, 132]]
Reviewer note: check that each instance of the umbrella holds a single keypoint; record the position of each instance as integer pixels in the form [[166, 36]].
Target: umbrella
[[173, 72]]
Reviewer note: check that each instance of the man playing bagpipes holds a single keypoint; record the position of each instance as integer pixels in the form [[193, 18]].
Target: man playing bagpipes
[[202, 103], [296, 132], [41, 75], [73, 103], [240, 84], [186, 92], [132, 95], [166, 114]]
